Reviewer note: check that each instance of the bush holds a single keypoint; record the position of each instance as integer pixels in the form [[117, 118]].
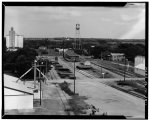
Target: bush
[[65, 87]]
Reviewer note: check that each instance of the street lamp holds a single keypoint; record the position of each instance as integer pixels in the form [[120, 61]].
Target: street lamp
[[91, 48]]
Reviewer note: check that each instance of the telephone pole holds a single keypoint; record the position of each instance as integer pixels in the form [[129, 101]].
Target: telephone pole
[[74, 76], [35, 73]]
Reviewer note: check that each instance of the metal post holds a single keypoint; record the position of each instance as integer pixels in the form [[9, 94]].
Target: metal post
[[74, 76], [103, 74], [63, 47], [124, 68], [34, 73]]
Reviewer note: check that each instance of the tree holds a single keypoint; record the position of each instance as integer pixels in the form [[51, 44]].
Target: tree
[[20, 61], [131, 50]]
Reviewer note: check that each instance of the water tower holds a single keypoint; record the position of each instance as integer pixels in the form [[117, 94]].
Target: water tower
[[77, 42]]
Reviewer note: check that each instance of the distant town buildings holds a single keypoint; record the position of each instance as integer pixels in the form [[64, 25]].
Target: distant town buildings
[[117, 56], [14, 41], [42, 48]]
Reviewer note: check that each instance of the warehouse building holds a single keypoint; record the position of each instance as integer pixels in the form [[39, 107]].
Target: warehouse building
[[139, 64], [16, 95]]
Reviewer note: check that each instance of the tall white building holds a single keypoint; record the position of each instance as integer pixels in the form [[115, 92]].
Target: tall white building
[[13, 40]]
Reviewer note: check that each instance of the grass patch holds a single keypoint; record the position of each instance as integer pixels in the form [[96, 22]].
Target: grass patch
[[65, 87], [78, 106], [36, 103], [141, 91], [136, 87]]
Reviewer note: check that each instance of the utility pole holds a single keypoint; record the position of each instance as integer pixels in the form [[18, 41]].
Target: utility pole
[[40, 90], [46, 67], [35, 73], [40, 70], [74, 75], [40, 81]]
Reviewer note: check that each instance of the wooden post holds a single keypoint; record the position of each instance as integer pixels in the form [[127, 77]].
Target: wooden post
[[35, 73], [40, 91], [74, 76]]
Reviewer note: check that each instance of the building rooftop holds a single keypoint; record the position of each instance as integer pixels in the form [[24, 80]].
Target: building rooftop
[[117, 54], [71, 53], [10, 82], [140, 66]]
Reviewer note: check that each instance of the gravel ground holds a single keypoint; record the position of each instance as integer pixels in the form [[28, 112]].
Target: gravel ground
[[110, 100]]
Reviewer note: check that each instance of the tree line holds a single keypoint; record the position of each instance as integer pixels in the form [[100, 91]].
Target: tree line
[[21, 60], [18, 62]]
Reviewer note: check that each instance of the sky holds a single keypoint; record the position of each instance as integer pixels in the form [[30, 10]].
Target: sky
[[95, 22]]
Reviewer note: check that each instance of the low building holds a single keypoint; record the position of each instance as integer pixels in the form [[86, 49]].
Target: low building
[[139, 64], [62, 50], [117, 56], [16, 95], [42, 48]]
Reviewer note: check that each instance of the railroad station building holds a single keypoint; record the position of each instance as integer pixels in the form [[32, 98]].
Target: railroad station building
[[117, 56]]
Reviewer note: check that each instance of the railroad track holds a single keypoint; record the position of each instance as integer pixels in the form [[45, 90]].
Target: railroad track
[[70, 66], [114, 70], [120, 72], [129, 92], [92, 77], [119, 69], [54, 77]]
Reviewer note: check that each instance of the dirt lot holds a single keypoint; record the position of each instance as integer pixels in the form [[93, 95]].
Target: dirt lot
[[110, 100]]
